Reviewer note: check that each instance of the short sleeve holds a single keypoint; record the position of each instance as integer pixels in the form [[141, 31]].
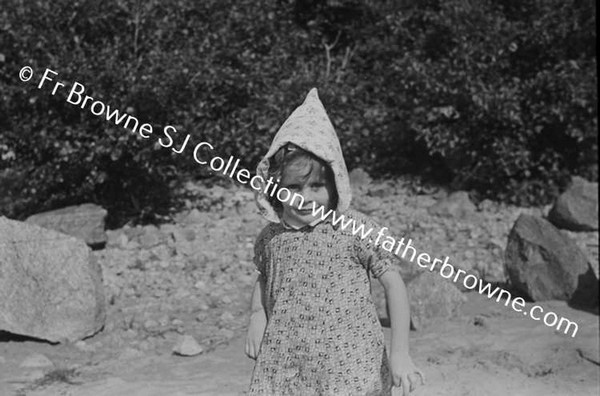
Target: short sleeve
[[260, 251], [259, 257], [370, 250]]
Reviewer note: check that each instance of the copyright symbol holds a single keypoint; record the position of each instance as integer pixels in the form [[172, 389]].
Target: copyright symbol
[[26, 73]]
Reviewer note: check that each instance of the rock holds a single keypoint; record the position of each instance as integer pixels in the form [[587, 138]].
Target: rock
[[151, 236], [116, 239], [577, 208], [181, 294], [227, 333], [202, 317], [546, 210], [164, 264], [197, 217], [50, 286], [160, 253], [359, 179], [381, 191], [132, 245], [187, 346], [184, 235], [493, 271], [488, 206], [456, 205], [367, 205], [164, 321], [36, 360], [543, 264], [151, 324], [432, 298], [84, 221], [227, 317], [34, 375], [132, 233], [130, 333], [200, 285]]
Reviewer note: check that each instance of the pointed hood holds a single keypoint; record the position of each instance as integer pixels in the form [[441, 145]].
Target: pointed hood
[[309, 128]]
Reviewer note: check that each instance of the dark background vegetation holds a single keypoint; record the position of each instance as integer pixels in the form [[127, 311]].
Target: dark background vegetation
[[495, 97]]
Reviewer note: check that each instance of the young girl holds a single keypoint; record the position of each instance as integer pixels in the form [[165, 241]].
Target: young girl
[[314, 328]]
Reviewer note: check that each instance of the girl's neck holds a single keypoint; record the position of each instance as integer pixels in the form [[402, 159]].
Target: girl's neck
[[295, 224]]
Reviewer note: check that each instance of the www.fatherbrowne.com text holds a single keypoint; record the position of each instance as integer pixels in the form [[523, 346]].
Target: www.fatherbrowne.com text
[[402, 248]]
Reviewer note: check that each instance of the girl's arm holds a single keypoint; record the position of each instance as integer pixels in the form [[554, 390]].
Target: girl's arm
[[258, 319], [402, 368]]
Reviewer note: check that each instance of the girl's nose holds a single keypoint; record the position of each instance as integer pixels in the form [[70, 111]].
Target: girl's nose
[[307, 194]]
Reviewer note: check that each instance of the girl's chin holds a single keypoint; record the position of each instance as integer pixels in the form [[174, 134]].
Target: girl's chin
[[300, 219], [304, 220]]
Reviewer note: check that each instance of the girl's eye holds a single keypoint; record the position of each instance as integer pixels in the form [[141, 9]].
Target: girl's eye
[[317, 185]]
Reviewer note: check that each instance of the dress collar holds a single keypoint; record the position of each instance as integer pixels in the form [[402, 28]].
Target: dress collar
[[292, 227]]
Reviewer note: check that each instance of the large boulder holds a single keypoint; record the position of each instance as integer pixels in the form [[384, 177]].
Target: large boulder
[[456, 205], [50, 287], [543, 264], [84, 221], [432, 298], [577, 208]]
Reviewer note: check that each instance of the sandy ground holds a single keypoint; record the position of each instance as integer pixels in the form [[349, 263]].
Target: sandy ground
[[489, 350]]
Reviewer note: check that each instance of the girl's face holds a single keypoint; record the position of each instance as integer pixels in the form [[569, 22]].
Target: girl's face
[[316, 189]]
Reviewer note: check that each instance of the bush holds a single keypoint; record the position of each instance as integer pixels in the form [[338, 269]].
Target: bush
[[497, 97], [507, 93]]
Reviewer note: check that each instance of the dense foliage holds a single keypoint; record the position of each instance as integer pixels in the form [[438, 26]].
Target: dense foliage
[[498, 97]]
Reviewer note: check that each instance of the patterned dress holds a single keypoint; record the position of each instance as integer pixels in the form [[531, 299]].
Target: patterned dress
[[323, 335]]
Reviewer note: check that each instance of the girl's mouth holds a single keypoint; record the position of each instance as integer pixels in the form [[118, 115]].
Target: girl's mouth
[[304, 211]]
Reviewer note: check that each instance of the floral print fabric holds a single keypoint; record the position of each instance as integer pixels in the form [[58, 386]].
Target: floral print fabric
[[323, 335]]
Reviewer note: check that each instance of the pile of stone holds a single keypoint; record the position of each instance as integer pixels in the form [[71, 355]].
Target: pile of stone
[[544, 263], [184, 287], [145, 286]]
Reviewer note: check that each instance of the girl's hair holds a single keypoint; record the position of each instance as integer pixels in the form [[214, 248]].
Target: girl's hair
[[304, 162]]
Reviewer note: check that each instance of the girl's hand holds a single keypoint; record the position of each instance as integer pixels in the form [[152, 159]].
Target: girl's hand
[[256, 330], [404, 372]]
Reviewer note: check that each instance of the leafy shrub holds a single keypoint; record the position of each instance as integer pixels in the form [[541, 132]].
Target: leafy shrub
[[509, 94], [497, 97]]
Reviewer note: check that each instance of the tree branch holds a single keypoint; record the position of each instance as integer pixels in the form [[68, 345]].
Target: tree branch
[[328, 48]]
